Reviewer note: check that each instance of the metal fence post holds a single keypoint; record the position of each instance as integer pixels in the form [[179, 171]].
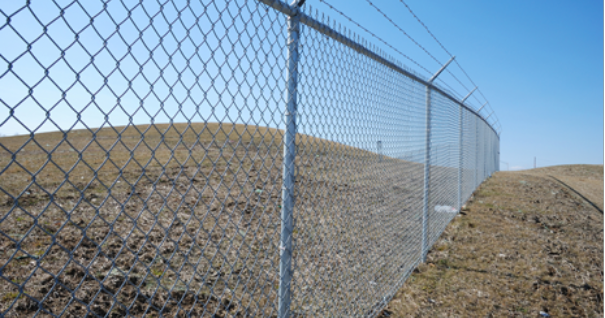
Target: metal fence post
[[476, 152], [460, 136], [498, 149], [489, 157], [484, 141], [460, 147], [285, 249], [427, 161]]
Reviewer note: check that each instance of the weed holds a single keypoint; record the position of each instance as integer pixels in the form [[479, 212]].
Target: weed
[[8, 297], [444, 262], [441, 247], [156, 272]]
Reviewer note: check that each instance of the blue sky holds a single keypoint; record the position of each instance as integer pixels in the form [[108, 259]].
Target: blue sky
[[176, 63], [539, 63]]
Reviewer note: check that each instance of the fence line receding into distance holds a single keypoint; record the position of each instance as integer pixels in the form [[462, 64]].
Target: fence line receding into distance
[[241, 158]]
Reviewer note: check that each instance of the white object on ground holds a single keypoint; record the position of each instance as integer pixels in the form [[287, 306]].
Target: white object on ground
[[445, 209]]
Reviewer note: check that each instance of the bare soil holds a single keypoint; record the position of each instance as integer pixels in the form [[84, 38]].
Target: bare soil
[[525, 244], [144, 221], [586, 179], [185, 220]]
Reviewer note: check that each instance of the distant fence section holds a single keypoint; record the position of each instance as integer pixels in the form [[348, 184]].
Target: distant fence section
[[218, 159]]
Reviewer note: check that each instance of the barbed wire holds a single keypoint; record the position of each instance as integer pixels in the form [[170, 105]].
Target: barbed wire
[[453, 91], [396, 50], [446, 51], [405, 33], [478, 90], [425, 27], [471, 80], [374, 35], [420, 46]]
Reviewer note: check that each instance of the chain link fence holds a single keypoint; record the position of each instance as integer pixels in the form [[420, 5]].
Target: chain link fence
[[217, 159]]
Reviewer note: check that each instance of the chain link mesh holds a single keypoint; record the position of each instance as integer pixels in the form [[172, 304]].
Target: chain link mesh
[[145, 178], [356, 200]]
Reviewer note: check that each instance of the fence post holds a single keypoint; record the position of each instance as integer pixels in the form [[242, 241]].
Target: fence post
[[285, 249], [476, 152], [427, 161], [498, 148], [484, 141], [460, 136], [491, 154], [488, 171]]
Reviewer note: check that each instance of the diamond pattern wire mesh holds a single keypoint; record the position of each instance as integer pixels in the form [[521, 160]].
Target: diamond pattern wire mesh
[[146, 179], [443, 179], [356, 200], [469, 151], [171, 213]]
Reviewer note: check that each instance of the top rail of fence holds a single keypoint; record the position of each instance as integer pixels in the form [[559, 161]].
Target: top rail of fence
[[337, 36]]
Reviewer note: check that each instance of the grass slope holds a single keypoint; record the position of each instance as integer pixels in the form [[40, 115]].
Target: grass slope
[[185, 219], [524, 244], [586, 179]]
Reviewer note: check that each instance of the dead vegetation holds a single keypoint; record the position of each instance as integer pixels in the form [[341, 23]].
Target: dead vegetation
[[525, 244], [586, 179], [185, 220], [141, 222]]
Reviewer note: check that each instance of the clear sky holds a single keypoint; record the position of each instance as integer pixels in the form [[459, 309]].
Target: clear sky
[[539, 63]]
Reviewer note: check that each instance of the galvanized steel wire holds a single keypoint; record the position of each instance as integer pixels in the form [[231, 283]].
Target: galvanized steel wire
[[218, 159]]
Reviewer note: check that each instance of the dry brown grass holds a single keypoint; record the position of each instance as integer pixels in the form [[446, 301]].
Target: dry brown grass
[[110, 213], [585, 172], [184, 219], [524, 244], [586, 179]]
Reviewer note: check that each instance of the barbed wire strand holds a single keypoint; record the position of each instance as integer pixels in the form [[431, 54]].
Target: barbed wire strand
[[404, 33], [383, 41], [375, 36], [446, 51], [417, 44], [425, 27], [424, 49]]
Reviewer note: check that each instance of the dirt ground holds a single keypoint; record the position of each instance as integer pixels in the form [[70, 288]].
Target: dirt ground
[[585, 179], [185, 220], [143, 221], [525, 246]]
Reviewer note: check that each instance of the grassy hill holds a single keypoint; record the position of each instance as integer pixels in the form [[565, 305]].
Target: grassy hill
[[175, 219], [525, 243], [586, 179]]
